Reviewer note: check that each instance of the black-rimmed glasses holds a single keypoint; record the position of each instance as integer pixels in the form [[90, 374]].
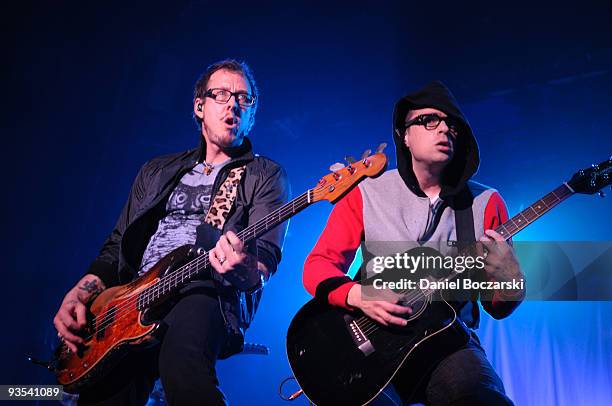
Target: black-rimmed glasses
[[432, 121], [222, 96]]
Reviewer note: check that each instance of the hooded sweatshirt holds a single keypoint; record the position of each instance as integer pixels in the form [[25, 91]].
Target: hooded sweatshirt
[[393, 207]]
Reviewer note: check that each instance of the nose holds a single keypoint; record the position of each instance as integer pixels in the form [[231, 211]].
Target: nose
[[443, 127], [232, 103]]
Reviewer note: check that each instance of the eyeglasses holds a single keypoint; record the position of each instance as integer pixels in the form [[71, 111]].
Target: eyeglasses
[[432, 121], [222, 96]]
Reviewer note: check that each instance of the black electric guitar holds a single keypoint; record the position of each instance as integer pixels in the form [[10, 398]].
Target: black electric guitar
[[122, 317], [346, 358]]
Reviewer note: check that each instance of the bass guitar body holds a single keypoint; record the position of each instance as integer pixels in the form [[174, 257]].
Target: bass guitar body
[[116, 324], [341, 357]]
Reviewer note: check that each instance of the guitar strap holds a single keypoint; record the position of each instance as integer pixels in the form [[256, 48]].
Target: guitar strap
[[223, 201], [466, 238], [464, 218]]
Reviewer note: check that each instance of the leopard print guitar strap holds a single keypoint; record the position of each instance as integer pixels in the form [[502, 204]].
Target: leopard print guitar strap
[[224, 199]]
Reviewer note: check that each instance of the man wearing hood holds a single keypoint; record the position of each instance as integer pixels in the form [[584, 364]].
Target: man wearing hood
[[166, 208], [429, 197]]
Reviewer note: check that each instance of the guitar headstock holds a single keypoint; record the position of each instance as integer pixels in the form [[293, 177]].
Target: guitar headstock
[[335, 185], [591, 180]]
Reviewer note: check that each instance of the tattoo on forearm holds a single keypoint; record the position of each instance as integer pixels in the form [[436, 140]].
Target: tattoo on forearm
[[91, 287]]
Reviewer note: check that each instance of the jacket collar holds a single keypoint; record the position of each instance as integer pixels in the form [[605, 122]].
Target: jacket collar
[[244, 152]]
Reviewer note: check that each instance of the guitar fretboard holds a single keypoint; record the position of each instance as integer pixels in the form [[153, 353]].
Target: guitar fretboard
[[534, 212]]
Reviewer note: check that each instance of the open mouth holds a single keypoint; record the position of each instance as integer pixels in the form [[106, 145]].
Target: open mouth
[[231, 121]]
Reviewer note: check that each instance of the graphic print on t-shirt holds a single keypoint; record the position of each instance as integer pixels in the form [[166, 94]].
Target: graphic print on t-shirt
[[187, 205]]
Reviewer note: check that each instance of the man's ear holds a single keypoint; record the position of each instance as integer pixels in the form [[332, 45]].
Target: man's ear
[[405, 139], [401, 137], [198, 108]]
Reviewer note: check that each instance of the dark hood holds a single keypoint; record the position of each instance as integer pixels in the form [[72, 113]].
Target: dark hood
[[466, 160]]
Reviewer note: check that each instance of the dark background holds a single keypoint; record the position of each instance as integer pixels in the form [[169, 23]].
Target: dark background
[[90, 92]]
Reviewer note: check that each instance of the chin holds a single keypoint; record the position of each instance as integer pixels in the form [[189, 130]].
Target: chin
[[227, 139], [233, 140], [443, 158]]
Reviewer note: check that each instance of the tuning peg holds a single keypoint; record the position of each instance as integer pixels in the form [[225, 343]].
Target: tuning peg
[[366, 154], [350, 159], [336, 167], [381, 147], [601, 194]]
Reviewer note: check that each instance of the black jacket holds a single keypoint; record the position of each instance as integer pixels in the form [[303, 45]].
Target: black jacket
[[264, 187]]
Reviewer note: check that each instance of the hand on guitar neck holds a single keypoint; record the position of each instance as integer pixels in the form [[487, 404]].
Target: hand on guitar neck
[[71, 316], [501, 265], [383, 311], [240, 268]]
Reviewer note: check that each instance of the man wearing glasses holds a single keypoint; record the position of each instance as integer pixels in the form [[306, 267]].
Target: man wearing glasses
[[166, 208], [428, 198]]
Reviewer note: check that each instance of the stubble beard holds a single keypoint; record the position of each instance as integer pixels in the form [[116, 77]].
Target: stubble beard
[[230, 140]]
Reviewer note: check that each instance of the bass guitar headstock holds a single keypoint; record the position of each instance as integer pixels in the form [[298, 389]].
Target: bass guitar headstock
[[343, 178]]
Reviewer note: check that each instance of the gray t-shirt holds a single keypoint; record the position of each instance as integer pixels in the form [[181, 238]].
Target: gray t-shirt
[[185, 211]]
